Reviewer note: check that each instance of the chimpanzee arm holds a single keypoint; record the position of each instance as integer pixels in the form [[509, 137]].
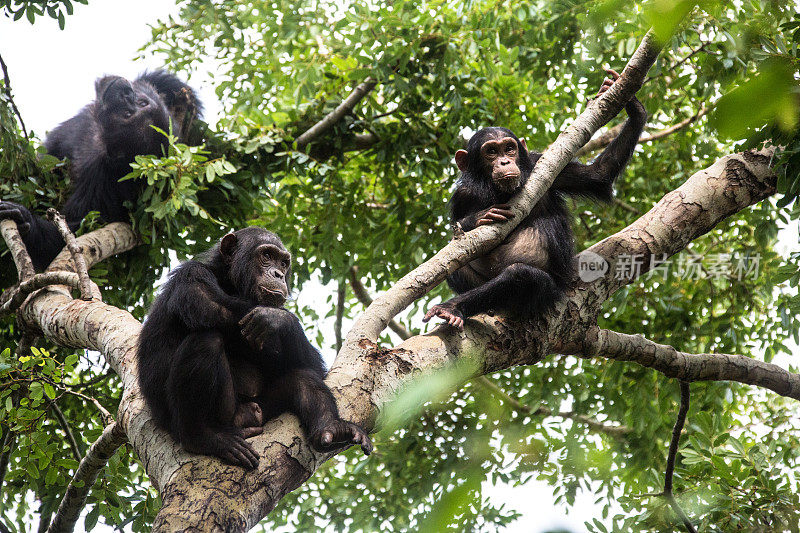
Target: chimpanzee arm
[[193, 294], [41, 237], [596, 180]]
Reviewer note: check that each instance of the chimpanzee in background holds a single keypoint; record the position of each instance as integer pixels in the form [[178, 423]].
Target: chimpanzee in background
[[528, 272], [218, 355], [102, 141]]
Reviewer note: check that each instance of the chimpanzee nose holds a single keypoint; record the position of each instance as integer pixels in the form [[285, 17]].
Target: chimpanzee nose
[[277, 273], [505, 161]]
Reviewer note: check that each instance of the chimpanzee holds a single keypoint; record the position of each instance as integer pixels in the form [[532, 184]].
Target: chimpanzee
[[219, 355], [528, 272], [102, 141]]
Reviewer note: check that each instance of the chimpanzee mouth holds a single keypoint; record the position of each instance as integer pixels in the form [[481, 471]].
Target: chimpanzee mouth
[[272, 294]]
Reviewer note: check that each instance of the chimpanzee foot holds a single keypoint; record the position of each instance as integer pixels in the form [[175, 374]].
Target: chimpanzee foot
[[340, 433], [448, 312]]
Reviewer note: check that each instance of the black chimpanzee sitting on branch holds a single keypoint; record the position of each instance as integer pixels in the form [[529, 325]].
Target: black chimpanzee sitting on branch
[[528, 272], [101, 141], [218, 354]]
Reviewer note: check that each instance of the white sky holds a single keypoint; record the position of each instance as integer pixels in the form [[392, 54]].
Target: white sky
[[52, 74]]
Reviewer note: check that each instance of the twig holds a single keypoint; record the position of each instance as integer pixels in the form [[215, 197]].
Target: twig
[[626, 206], [62, 421], [86, 474], [334, 116], [7, 81], [673, 452], [363, 296], [618, 432], [14, 297], [341, 294], [8, 228], [75, 251]]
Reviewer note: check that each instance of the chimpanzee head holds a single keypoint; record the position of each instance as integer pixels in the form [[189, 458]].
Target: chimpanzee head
[[498, 157], [259, 266], [126, 111]]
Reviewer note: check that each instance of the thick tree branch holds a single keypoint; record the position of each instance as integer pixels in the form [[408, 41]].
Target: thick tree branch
[[85, 475], [337, 114]]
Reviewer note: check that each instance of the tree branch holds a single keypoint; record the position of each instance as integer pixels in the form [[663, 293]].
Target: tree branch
[[12, 298], [8, 228], [366, 300], [689, 367], [672, 455], [341, 295], [337, 114], [62, 421], [85, 283], [85, 475], [7, 81]]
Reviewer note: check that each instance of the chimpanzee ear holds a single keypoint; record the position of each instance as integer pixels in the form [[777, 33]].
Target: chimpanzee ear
[[461, 160], [228, 244], [522, 142]]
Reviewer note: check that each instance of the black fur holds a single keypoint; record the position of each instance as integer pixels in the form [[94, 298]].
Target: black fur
[[218, 356], [515, 283], [101, 141]]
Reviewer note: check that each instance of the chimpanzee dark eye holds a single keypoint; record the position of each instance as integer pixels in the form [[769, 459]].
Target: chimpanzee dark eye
[[285, 264], [142, 103], [492, 151]]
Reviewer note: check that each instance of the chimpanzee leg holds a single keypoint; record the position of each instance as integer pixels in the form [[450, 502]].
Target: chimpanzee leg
[[303, 393], [520, 289], [204, 401]]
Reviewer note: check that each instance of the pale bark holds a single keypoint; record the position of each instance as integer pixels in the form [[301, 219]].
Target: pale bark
[[200, 493]]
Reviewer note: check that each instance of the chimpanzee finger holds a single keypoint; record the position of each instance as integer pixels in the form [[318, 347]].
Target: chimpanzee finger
[[366, 445], [432, 312], [326, 438], [505, 212], [614, 74], [246, 452], [247, 318]]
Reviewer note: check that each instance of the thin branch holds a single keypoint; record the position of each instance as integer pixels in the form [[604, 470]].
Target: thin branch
[[689, 367], [8, 228], [90, 466], [14, 297], [76, 253], [341, 294], [363, 296], [337, 114], [7, 81], [626, 206], [673, 453], [618, 432], [62, 421], [108, 418]]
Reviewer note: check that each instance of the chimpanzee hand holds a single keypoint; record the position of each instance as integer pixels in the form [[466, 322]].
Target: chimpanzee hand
[[338, 434], [261, 323], [231, 448], [449, 312], [17, 213], [496, 213]]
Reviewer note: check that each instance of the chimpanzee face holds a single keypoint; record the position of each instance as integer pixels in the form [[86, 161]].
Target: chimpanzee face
[[260, 266], [126, 111], [499, 157]]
